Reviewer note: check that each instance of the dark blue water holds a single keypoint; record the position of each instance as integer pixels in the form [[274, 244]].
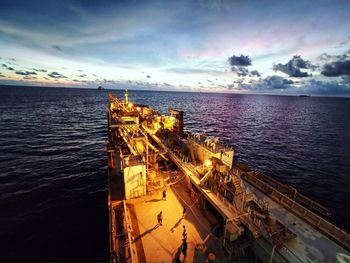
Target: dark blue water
[[53, 168]]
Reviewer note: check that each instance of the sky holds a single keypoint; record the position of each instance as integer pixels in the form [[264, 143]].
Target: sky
[[270, 47]]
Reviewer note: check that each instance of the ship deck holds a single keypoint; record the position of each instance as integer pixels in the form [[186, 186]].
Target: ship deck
[[310, 243], [163, 243]]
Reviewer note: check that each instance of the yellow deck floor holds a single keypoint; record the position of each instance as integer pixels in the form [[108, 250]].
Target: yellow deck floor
[[162, 243]]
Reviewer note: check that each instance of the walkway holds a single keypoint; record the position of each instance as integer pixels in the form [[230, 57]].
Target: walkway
[[163, 243]]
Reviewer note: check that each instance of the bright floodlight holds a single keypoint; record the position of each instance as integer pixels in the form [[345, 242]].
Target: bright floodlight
[[207, 163]]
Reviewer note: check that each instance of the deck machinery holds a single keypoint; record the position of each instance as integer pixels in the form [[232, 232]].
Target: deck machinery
[[258, 213]]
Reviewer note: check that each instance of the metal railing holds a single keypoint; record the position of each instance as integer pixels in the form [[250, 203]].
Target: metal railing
[[327, 228]]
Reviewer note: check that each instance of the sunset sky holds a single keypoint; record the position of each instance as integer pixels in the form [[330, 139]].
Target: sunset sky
[[274, 47]]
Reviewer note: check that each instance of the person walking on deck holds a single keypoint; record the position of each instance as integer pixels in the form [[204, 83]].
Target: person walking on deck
[[160, 218], [184, 233], [164, 195]]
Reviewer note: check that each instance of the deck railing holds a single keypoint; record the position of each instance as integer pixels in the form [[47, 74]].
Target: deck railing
[[327, 228]]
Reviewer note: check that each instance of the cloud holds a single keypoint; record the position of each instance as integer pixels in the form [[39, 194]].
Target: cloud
[[7, 67], [81, 76], [244, 72], [109, 81], [29, 77], [56, 47], [336, 65], [2, 75], [148, 76], [241, 60], [324, 57], [241, 71], [267, 84], [39, 69], [277, 82], [336, 69], [255, 73], [293, 66], [239, 65], [26, 73], [276, 85], [56, 75], [338, 88]]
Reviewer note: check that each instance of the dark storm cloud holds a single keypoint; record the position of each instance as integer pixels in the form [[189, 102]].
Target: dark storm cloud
[[26, 73], [293, 66], [241, 61], [56, 75], [39, 70], [56, 47], [148, 76], [81, 76], [10, 68]]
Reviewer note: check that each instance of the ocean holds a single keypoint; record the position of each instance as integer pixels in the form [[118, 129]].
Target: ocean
[[53, 167]]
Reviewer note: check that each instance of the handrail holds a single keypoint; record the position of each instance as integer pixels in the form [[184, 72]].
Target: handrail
[[327, 228], [133, 252]]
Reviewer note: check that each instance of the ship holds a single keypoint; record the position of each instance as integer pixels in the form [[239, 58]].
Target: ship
[[176, 196]]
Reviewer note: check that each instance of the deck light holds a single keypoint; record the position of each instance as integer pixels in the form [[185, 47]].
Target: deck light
[[207, 163]]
